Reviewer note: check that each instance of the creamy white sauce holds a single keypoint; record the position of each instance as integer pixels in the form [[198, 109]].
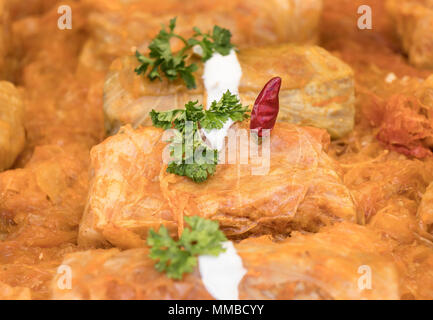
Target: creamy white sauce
[[221, 73], [391, 77], [197, 50], [222, 274], [216, 137]]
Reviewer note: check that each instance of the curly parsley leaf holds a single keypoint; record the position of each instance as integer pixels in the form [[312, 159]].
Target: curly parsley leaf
[[170, 256], [201, 163], [200, 237], [162, 61], [196, 172], [217, 41], [221, 38], [203, 237], [169, 119], [219, 112]]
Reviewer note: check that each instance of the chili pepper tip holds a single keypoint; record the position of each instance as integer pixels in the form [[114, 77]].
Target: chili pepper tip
[[266, 107]]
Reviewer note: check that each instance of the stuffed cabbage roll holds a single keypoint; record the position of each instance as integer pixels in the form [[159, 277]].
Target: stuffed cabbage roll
[[41, 205], [332, 264], [425, 212], [404, 119], [14, 293], [414, 23], [415, 266], [131, 192], [12, 134], [317, 88], [5, 39], [117, 26]]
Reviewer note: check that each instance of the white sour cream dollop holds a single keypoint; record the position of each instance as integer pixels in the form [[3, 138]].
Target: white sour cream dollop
[[221, 73], [222, 274], [391, 77]]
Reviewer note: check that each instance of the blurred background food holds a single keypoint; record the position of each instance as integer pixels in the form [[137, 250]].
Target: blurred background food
[[52, 108], [12, 137]]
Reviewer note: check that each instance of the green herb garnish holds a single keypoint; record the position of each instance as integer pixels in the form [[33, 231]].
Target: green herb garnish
[[178, 257], [162, 60], [219, 112], [200, 162], [218, 41]]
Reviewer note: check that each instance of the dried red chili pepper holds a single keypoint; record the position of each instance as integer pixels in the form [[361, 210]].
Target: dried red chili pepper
[[266, 107]]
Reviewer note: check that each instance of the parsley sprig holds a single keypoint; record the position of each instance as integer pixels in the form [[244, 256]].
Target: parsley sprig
[[218, 41], [162, 60], [175, 258], [187, 163]]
